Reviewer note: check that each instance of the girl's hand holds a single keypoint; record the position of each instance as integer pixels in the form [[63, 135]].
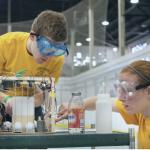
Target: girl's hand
[[63, 112]]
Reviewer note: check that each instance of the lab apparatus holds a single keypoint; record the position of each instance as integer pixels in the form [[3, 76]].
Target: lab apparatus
[[24, 91]]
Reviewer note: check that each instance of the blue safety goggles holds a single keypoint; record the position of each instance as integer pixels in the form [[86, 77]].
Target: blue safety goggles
[[47, 48]]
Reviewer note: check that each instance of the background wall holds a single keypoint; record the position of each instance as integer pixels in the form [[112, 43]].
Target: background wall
[[97, 79]]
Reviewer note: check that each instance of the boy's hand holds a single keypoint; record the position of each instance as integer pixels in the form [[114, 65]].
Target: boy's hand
[[8, 106]]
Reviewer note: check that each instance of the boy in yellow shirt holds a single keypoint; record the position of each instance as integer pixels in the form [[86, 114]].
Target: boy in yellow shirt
[[38, 53]]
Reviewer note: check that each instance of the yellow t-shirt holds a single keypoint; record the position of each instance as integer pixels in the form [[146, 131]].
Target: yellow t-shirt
[[14, 57], [141, 121]]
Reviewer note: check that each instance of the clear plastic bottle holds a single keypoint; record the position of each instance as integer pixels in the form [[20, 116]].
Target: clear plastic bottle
[[103, 113], [76, 118]]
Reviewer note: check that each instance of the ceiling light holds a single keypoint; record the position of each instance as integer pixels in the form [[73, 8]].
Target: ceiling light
[[105, 23], [88, 39], [134, 1], [79, 55], [85, 62], [115, 49], [87, 59], [100, 54], [78, 44], [105, 60], [74, 59], [78, 63], [94, 63]]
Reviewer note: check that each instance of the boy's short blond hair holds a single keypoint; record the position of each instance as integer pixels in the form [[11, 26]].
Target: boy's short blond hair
[[51, 24]]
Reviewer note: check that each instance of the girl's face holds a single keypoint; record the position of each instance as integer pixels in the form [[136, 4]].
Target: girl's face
[[134, 101]]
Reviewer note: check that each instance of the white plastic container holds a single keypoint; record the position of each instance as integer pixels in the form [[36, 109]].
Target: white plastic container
[[103, 114]]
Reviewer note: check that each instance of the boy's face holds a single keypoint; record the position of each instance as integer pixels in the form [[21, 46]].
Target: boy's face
[[42, 48], [48, 47], [36, 53]]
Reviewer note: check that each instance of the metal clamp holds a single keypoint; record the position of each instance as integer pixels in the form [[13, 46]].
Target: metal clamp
[[131, 138]]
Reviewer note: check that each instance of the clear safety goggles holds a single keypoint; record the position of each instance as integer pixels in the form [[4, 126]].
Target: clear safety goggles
[[128, 89], [48, 48]]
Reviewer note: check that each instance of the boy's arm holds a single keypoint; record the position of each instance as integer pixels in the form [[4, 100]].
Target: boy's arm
[[7, 101]]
